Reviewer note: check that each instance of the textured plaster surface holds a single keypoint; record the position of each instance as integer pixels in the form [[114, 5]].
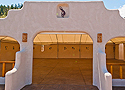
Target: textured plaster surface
[[36, 17]]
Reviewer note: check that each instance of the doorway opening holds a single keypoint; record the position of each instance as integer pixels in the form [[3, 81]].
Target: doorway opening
[[8, 48], [115, 55], [63, 59]]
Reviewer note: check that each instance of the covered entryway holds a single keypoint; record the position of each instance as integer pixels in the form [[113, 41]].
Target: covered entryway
[[8, 48], [63, 59], [115, 54]]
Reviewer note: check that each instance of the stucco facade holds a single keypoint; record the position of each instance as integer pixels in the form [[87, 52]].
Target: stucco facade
[[35, 17]]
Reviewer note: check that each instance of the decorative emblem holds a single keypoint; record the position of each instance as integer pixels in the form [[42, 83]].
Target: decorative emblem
[[24, 37], [62, 10], [99, 37]]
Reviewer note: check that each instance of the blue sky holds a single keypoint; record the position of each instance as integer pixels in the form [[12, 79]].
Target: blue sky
[[109, 4]]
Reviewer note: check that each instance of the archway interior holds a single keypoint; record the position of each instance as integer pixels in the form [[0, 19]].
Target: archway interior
[[62, 58], [8, 48], [61, 45], [115, 55]]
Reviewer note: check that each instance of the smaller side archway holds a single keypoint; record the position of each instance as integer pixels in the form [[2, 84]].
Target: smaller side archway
[[115, 59], [8, 48]]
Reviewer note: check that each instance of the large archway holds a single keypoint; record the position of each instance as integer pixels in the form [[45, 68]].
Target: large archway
[[63, 58]]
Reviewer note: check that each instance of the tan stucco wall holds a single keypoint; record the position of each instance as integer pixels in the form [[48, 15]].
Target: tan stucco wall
[[124, 52], [69, 52], [117, 51], [8, 53], [110, 54], [87, 51], [121, 51], [47, 53], [109, 51]]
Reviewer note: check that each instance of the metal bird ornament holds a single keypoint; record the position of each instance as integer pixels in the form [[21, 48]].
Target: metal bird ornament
[[63, 13]]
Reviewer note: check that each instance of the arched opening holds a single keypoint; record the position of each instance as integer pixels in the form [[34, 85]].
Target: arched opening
[[115, 55], [62, 59], [8, 48]]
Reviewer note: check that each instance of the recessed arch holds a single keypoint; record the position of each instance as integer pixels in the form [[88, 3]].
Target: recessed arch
[[115, 60], [8, 48], [65, 46], [63, 32], [122, 36]]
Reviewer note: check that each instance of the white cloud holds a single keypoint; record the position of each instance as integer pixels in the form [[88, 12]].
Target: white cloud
[[122, 11]]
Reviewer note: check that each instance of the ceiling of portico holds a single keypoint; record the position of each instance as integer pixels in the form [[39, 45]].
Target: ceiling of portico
[[63, 38], [67, 38]]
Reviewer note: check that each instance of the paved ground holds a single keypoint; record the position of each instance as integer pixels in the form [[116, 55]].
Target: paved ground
[[60, 87], [62, 71], [64, 74], [1, 87]]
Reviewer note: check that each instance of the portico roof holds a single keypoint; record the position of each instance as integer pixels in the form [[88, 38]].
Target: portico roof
[[66, 38]]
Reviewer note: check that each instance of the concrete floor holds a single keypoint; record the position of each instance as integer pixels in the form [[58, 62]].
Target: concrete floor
[[62, 71], [64, 74]]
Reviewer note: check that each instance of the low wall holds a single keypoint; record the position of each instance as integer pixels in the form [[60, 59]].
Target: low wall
[[16, 78], [105, 78]]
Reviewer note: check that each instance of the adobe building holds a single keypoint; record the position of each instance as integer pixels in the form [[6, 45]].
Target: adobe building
[[38, 24]]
